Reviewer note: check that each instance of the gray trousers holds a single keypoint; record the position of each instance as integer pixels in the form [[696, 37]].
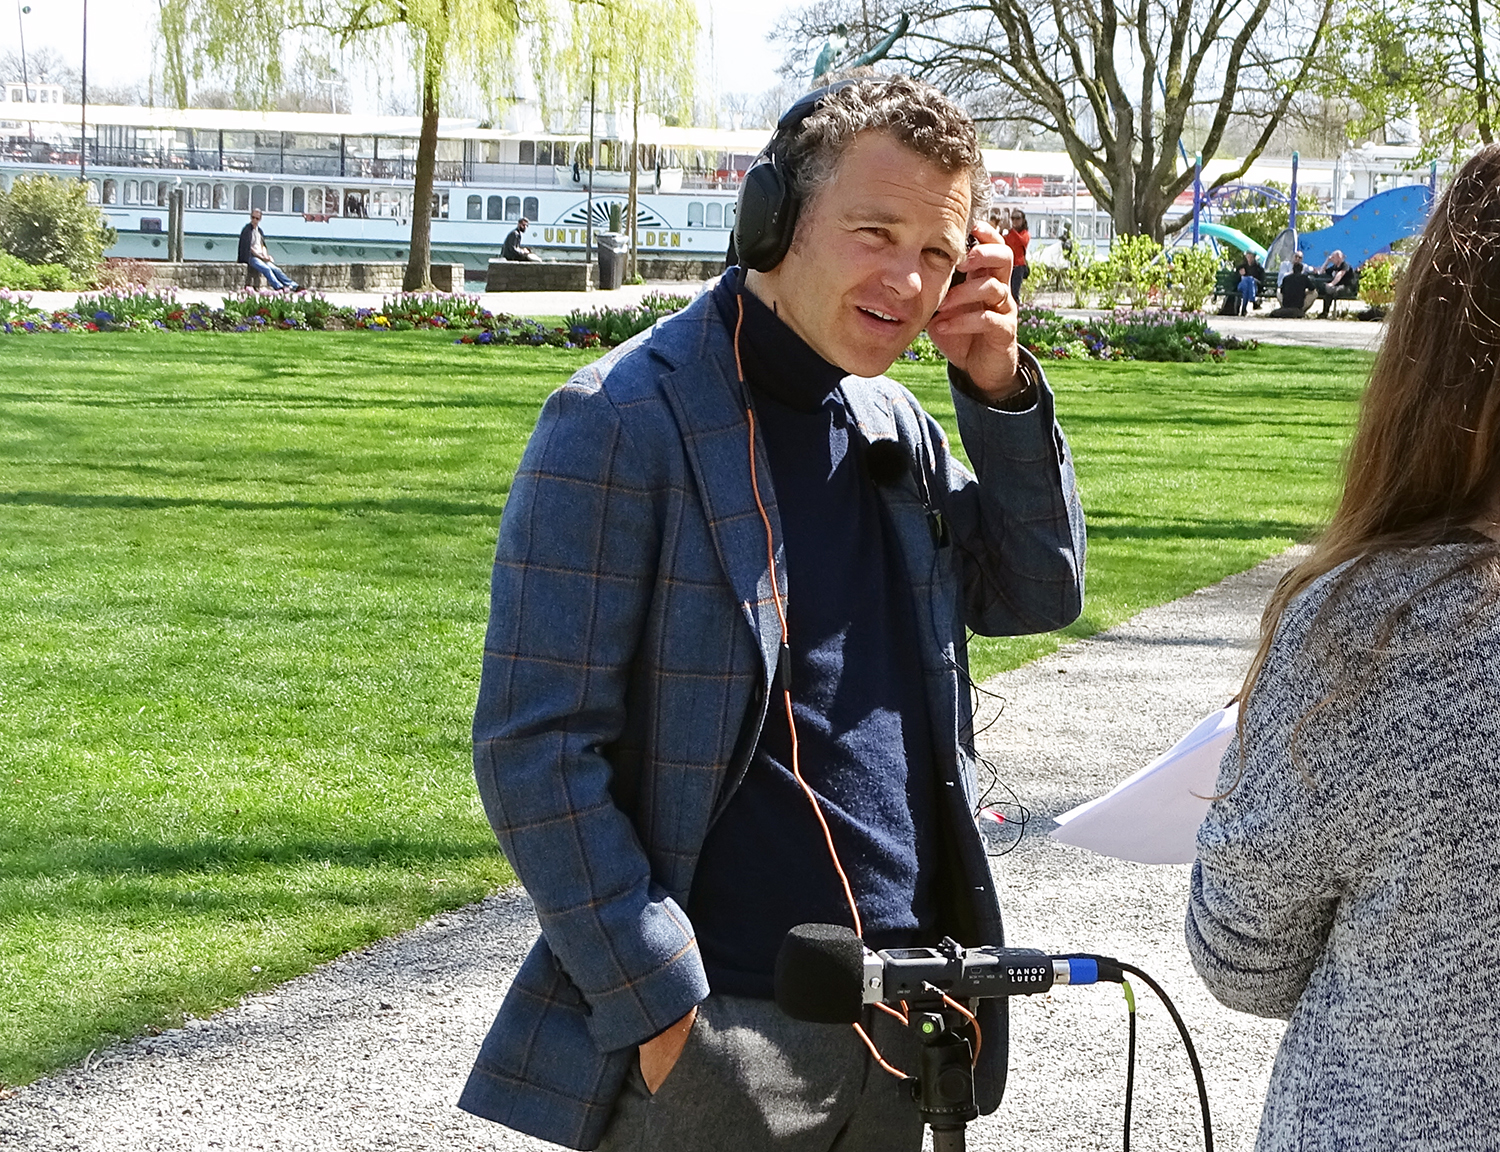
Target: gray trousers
[[754, 1080]]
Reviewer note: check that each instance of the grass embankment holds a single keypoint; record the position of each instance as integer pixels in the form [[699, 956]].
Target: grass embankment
[[244, 598]]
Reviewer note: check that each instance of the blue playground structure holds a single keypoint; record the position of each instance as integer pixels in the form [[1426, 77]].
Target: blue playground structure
[[1370, 228], [1360, 233]]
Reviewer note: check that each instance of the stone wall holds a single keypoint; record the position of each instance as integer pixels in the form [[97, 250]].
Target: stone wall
[[210, 276], [678, 267], [538, 276]]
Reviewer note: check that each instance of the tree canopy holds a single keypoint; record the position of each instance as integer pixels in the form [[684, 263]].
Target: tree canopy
[[1126, 84], [1428, 66], [447, 40]]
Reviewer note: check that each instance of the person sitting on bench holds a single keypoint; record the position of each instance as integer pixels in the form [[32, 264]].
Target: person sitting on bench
[[512, 249], [255, 254], [1297, 292], [1340, 284]]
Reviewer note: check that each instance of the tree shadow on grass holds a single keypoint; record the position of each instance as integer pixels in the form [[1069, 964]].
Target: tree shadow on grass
[[401, 506], [1126, 526]]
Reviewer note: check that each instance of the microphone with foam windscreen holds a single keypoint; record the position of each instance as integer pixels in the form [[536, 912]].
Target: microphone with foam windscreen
[[825, 974]]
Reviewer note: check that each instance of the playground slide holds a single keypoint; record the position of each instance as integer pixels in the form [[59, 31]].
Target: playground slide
[[1372, 227], [1231, 236]]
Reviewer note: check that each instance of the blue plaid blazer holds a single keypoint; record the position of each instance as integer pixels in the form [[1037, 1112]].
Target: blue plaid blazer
[[629, 658]]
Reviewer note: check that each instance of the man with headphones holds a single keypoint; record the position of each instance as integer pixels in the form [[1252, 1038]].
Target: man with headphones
[[725, 688]]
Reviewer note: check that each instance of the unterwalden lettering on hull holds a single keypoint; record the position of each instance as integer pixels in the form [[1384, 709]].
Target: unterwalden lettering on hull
[[644, 238]]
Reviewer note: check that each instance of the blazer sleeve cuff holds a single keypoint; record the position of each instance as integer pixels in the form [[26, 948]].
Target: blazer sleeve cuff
[[1023, 437], [632, 1011]]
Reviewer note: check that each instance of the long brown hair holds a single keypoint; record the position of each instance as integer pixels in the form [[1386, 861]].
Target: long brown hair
[[1425, 460]]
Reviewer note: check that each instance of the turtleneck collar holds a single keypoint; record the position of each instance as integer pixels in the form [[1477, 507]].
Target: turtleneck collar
[[777, 362]]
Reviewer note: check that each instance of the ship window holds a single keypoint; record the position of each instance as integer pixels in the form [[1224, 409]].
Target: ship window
[[241, 197], [93, 192], [544, 152], [528, 151], [203, 196], [315, 201], [496, 208], [512, 207], [221, 196], [715, 216], [729, 215], [275, 198], [530, 209], [695, 214], [110, 190], [258, 197], [148, 191], [476, 208], [331, 201], [440, 205], [163, 194], [132, 192], [299, 200]]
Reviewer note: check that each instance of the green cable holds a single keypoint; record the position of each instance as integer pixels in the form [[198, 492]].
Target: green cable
[[1129, 995]]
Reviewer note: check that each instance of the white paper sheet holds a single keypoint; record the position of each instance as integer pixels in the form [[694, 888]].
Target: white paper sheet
[[1153, 817]]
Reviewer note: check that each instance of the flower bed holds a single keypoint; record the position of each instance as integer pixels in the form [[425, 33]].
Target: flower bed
[[1153, 334], [265, 310]]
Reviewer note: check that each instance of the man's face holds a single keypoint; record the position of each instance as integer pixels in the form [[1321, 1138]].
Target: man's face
[[1337, 257], [872, 255], [255, 215], [521, 224]]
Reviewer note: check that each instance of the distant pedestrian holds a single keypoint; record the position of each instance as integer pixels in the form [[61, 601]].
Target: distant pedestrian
[[253, 252], [1019, 239]]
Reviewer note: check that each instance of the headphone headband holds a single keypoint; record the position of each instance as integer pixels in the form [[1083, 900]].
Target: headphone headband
[[767, 213]]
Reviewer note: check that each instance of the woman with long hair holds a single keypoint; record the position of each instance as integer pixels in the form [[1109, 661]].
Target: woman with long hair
[[1018, 236], [1348, 874]]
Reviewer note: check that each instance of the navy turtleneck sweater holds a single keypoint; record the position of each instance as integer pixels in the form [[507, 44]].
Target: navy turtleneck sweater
[[864, 739]]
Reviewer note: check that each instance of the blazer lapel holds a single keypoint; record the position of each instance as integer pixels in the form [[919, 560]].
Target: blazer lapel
[[705, 395]]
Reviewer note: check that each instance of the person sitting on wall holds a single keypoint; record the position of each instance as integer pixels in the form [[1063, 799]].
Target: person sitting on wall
[[513, 250], [1251, 272], [253, 252], [1340, 285], [1297, 293]]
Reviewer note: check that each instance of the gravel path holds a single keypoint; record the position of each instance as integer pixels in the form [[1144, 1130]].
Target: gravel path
[[369, 1051]]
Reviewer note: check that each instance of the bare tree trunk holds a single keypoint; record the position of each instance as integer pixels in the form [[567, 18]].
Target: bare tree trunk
[[419, 263]]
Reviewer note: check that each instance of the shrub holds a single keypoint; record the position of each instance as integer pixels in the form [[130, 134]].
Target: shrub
[[1377, 280], [1082, 274], [44, 220], [1136, 267], [1191, 272], [17, 273]]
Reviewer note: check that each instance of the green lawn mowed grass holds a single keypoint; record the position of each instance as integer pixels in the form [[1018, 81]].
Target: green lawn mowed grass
[[245, 598]]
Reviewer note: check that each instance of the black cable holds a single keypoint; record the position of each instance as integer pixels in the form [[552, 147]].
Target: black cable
[[1114, 971], [1187, 1042], [1129, 1061]]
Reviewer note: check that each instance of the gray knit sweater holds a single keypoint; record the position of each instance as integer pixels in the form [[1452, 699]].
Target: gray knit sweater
[[1356, 891]]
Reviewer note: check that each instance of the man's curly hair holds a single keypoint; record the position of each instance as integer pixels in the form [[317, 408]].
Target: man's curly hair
[[915, 113]]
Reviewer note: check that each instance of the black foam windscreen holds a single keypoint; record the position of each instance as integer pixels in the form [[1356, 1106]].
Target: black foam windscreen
[[885, 462], [820, 974]]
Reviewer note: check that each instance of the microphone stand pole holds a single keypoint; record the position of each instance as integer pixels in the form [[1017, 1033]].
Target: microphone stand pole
[[944, 1088]]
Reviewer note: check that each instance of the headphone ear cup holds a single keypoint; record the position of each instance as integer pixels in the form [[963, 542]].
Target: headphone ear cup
[[765, 218]]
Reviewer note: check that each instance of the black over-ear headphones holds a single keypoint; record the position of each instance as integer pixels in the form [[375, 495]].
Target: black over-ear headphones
[[767, 212]]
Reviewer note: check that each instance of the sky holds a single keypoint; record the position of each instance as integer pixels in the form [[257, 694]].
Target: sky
[[120, 38]]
